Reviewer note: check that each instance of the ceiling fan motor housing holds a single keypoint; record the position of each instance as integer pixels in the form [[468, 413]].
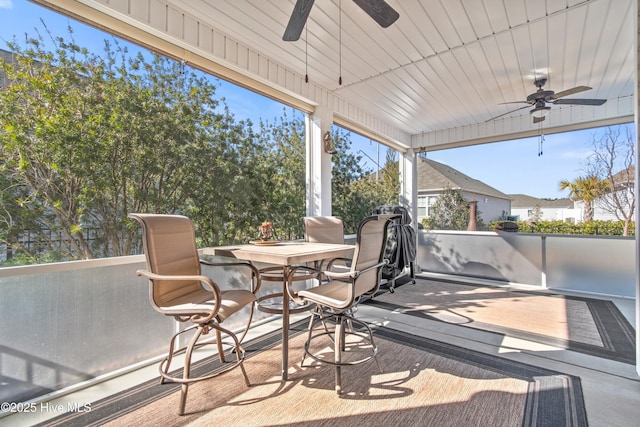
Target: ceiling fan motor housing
[[540, 104], [540, 95]]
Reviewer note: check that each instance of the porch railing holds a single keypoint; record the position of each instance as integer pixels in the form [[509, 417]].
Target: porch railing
[[72, 322], [69, 323], [591, 264]]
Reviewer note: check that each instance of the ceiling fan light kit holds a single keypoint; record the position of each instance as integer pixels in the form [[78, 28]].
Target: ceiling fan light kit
[[540, 110]]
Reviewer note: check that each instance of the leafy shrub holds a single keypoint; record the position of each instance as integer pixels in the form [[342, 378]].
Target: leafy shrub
[[595, 227]]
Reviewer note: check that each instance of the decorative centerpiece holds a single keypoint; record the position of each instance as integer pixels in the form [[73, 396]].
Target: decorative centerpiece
[[265, 232]]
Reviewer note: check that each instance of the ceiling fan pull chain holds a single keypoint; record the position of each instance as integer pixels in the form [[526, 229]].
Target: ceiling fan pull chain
[[540, 141], [306, 54], [340, 42]]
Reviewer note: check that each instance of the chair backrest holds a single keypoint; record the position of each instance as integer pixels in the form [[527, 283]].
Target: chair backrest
[[323, 229], [170, 249], [370, 243]]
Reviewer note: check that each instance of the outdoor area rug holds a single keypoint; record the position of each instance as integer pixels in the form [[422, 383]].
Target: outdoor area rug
[[590, 326], [424, 382]]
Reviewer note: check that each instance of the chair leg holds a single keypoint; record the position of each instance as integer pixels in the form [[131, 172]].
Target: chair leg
[[169, 357], [219, 344], [186, 379], [186, 372], [246, 329], [183, 398], [338, 349], [344, 326], [239, 356], [373, 344], [312, 318]]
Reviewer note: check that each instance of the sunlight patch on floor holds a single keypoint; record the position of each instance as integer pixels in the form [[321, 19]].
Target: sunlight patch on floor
[[516, 345]]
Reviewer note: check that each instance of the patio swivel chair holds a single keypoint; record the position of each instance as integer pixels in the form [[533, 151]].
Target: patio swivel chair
[[323, 229], [177, 288], [326, 229], [337, 297]]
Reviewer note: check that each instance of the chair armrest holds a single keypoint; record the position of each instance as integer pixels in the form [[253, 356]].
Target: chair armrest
[[292, 274], [353, 274], [212, 287], [341, 275], [334, 260], [256, 282]]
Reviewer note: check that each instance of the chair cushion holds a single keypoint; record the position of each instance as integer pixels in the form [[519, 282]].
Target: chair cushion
[[333, 294], [200, 302], [234, 300]]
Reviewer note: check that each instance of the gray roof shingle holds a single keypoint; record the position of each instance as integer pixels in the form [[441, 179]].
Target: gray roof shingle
[[434, 176], [524, 201]]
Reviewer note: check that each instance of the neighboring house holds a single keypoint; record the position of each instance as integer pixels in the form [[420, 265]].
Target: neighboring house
[[523, 208], [434, 178], [604, 208], [7, 57]]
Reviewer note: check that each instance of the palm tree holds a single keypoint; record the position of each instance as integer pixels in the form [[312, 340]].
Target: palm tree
[[587, 189]]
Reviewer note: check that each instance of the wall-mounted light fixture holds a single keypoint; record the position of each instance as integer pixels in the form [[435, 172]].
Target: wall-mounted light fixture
[[328, 146]]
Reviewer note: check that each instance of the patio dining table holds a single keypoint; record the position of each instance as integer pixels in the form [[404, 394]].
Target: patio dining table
[[287, 254]]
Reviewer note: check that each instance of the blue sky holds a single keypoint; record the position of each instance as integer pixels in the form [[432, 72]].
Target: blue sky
[[510, 167]]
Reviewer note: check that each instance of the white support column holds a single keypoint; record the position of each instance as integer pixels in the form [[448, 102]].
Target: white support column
[[409, 186], [318, 163], [409, 182]]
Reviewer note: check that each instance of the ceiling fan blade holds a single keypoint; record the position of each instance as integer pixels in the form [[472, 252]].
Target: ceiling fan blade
[[509, 112], [297, 20], [579, 101], [379, 10], [569, 92], [516, 102], [538, 119]]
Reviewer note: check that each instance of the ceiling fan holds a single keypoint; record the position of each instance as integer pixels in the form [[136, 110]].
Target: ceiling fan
[[379, 10], [540, 98]]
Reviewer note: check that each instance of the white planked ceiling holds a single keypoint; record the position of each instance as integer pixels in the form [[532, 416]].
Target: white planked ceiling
[[440, 73]]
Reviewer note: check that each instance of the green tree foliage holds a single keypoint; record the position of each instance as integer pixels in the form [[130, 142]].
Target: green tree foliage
[[87, 139], [594, 227], [450, 211], [355, 192], [233, 193], [286, 182]]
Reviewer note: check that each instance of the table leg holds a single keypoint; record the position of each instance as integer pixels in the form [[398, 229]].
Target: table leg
[[285, 326], [285, 309]]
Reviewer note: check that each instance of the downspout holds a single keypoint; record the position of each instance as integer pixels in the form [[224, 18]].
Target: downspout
[[636, 114]]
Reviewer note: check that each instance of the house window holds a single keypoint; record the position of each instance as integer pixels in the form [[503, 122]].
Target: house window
[[424, 205]]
